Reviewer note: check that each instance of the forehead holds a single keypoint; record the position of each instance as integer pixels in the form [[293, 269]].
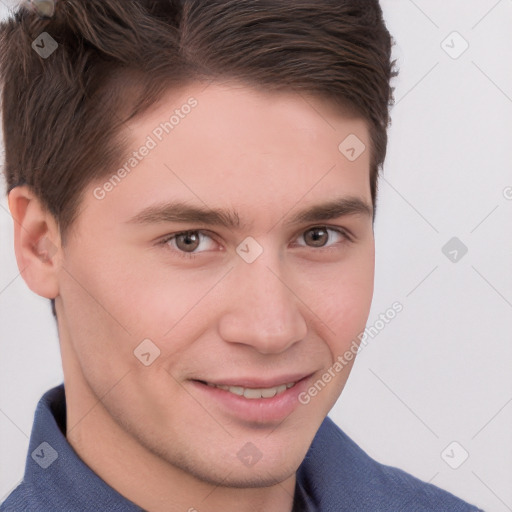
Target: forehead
[[232, 113], [227, 104], [221, 145]]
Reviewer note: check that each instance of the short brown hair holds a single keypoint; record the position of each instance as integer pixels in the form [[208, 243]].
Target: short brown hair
[[63, 116]]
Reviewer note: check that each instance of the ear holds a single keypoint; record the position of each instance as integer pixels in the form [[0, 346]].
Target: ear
[[37, 242]]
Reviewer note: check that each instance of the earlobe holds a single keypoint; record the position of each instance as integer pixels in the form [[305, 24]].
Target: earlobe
[[37, 242]]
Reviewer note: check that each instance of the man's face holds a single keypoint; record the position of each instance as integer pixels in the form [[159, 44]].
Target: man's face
[[254, 307]]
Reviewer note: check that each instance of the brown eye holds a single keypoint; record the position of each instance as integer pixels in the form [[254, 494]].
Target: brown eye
[[317, 236], [188, 241], [324, 237]]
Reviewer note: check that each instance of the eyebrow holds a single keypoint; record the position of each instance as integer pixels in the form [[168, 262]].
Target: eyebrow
[[181, 212]]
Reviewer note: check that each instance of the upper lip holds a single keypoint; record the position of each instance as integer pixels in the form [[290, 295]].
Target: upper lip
[[257, 382]]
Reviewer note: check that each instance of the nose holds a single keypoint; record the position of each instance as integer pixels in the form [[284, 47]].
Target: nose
[[263, 308]]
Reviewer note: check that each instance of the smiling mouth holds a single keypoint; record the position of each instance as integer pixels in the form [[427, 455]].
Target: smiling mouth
[[252, 393]]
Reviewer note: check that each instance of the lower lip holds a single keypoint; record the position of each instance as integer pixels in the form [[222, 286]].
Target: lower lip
[[255, 410]]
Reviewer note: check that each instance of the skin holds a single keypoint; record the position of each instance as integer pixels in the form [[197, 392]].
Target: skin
[[147, 430]]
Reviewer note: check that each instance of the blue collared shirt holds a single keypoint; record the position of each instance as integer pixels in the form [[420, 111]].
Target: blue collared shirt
[[335, 476]]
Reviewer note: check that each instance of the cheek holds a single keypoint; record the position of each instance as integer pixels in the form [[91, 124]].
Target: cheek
[[93, 332], [345, 301], [124, 291], [114, 305], [98, 299]]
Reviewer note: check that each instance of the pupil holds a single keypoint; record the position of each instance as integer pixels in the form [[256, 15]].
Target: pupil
[[316, 237], [189, 240]]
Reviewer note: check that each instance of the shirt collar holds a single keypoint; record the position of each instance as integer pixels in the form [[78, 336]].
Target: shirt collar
[[54, 469]]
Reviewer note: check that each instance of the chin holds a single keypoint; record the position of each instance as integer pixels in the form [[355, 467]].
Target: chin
[[248, 478]]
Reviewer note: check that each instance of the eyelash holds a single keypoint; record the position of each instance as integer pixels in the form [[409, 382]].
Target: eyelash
[[192, 256]]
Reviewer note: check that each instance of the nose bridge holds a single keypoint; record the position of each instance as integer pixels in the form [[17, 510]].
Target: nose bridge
[[263, 312]]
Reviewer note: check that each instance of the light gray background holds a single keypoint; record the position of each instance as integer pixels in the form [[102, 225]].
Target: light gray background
[[441, 370]]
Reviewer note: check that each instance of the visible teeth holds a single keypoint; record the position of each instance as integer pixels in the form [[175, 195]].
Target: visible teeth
[[254, 393], [238, 390], [267, 393], [281, 388]]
